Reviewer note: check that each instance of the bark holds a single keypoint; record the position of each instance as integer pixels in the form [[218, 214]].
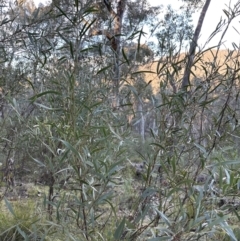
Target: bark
[[116, 44], [2, 103], [193, 45], [114, 36], [142, 120]]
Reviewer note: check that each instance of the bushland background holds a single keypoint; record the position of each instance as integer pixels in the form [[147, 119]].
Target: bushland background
[[111, 132]]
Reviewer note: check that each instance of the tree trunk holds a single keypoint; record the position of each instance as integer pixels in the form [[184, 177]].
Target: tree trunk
[[142, 122], [2, 103], [118, 19], [193, 45], [115, 40]]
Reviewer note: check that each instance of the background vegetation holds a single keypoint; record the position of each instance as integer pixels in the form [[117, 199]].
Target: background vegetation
[[104, 137]]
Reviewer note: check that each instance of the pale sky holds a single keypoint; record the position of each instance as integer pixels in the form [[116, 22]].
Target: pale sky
[[214, 13]]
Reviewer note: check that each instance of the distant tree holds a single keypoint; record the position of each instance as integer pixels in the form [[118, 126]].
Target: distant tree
[[119, 23], [173, 32]]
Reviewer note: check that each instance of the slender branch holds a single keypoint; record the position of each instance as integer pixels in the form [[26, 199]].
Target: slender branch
[[222, 113], [191, 54], [109, 8]]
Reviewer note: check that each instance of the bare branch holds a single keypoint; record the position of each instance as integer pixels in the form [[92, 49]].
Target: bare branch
[[193, 46]]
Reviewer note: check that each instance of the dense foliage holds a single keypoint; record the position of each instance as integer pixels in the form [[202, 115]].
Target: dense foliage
[[98, 139]]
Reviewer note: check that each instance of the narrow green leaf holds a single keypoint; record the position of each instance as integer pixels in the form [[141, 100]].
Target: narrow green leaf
[[143, 71], [133, 89], [86, 27], [39, 162], [47, 108], [105, 68], [45, 60], [173, 163], [104, 197], [157, 144], [225, 163], [204, 103], [124, 56], [87, 49], [30, 83], [119, 231], [30, 38], [65, 14], [33, 98], [6, 20], [228, 230], [65, 39], [112, 207], [201, 148], [76, 3], [22, 233], [70, 147], [164, 218], [226, 12], [89, 11], [9, 206], [236, 213], [71, 49], [115, 134]]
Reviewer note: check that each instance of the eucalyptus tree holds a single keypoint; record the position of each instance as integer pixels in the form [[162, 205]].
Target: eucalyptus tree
[[193, 45], [120, 23]]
